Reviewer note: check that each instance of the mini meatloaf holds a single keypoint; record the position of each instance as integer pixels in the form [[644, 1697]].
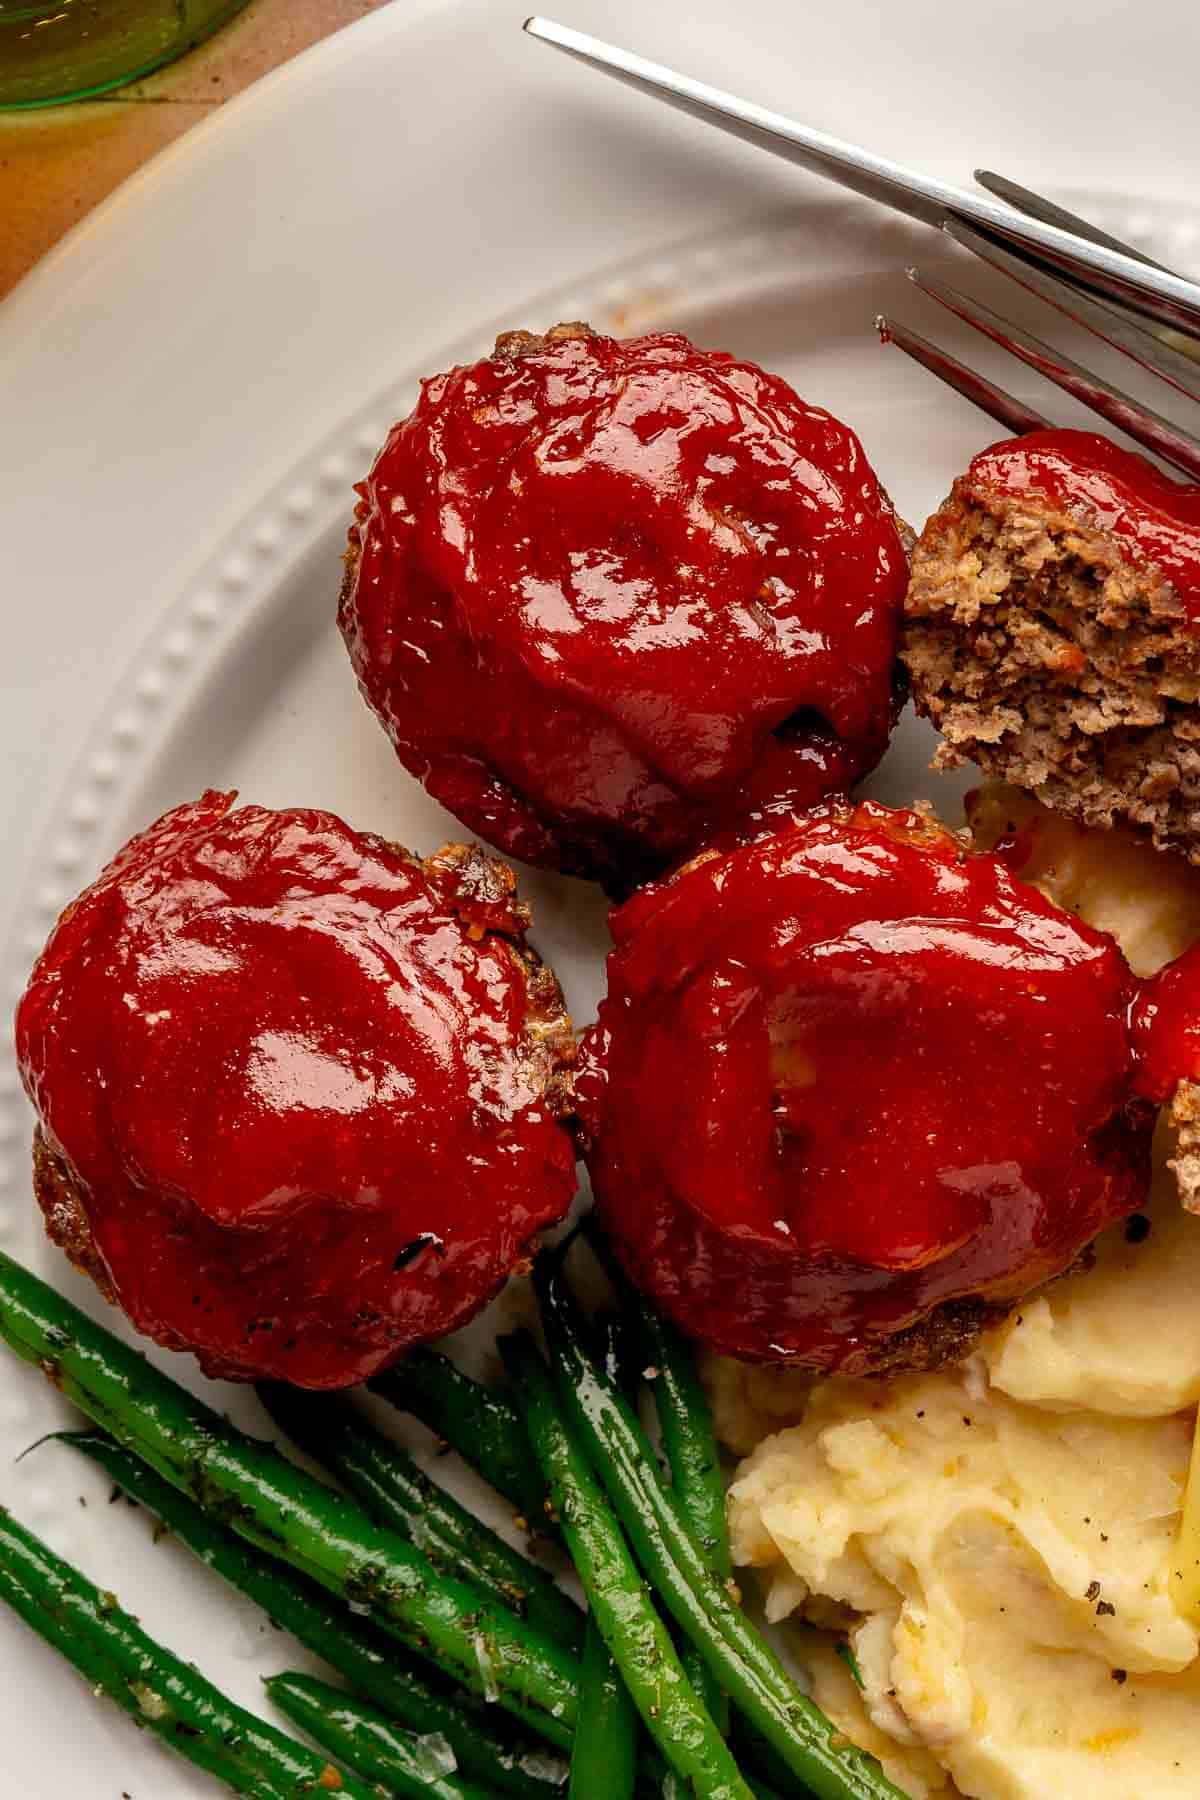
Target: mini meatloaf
[[301, 1095], [611, 598], [1052, 631], [854, 1090]]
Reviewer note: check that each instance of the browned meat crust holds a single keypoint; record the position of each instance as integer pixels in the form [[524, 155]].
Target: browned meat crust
[[62, 1205], [945, 1335], [483, 888], [1043, 654], [511, 345], [950, 1332]]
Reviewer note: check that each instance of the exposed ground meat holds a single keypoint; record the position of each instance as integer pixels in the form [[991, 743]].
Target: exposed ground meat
[[64, 1206], [1185, 1116], [1049, 650]]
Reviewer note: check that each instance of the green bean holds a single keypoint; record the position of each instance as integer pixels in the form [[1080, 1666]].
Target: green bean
[[399, 1494], [604, 1755], [688, 1438], [367, 1742], [260, 1495], [370, 1662], [158, 1691], [691, 1450], [483, 1426], [620, 1352], [684, 1416], [737, 1655], [639, 1642]]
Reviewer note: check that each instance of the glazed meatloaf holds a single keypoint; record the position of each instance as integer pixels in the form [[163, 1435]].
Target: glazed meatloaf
[[611, 598], [302, 1096], [1052, 631]]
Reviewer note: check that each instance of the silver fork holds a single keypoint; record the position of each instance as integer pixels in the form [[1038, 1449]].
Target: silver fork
[[1095, 280]]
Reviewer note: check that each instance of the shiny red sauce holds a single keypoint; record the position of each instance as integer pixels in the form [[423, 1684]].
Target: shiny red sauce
[[1166, 1027], [608, 598], [1155, 517], [298, 1083], [850, 1073]]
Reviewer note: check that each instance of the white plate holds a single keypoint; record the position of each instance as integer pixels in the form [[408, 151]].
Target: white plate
[[199, 373]]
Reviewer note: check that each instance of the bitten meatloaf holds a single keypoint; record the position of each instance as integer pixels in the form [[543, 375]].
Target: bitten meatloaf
[[1052, 631]]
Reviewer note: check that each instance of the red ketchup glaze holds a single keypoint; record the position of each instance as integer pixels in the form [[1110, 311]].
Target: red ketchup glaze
[[1166, 1027], [850, 1073], [297, 1083], [1155, 518], [608, 598]]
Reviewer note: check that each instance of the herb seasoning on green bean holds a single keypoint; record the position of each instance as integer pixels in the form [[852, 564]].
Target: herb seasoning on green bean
[[484, 1427], [374, 1665], [287, 1512], [399, 1494], [639, 1642], [364, 1740], [737, 1655], [246, 1511], [158, 1691]]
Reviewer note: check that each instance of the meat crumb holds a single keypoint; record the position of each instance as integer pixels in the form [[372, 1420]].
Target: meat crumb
[[1047, 655]]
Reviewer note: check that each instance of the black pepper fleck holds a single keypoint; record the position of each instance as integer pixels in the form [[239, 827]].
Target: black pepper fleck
[[1120, 1676], [1137, 1228], [1093, 1591], [1106, 1609]]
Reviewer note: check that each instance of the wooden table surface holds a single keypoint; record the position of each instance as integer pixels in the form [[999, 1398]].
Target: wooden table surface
[[56, 164]]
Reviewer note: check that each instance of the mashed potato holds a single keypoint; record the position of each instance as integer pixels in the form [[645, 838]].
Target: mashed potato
[[1010, 1570], [1150, 903], [998, 1538], [1123, 1337]]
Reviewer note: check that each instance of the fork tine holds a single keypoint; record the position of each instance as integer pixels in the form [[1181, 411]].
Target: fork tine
[[1094, 278], [1004, 407], [1120, 409], [1036, 206], [1106, 322]]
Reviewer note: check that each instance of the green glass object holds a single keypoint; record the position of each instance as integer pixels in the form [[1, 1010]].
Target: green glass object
[[56, 50]]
